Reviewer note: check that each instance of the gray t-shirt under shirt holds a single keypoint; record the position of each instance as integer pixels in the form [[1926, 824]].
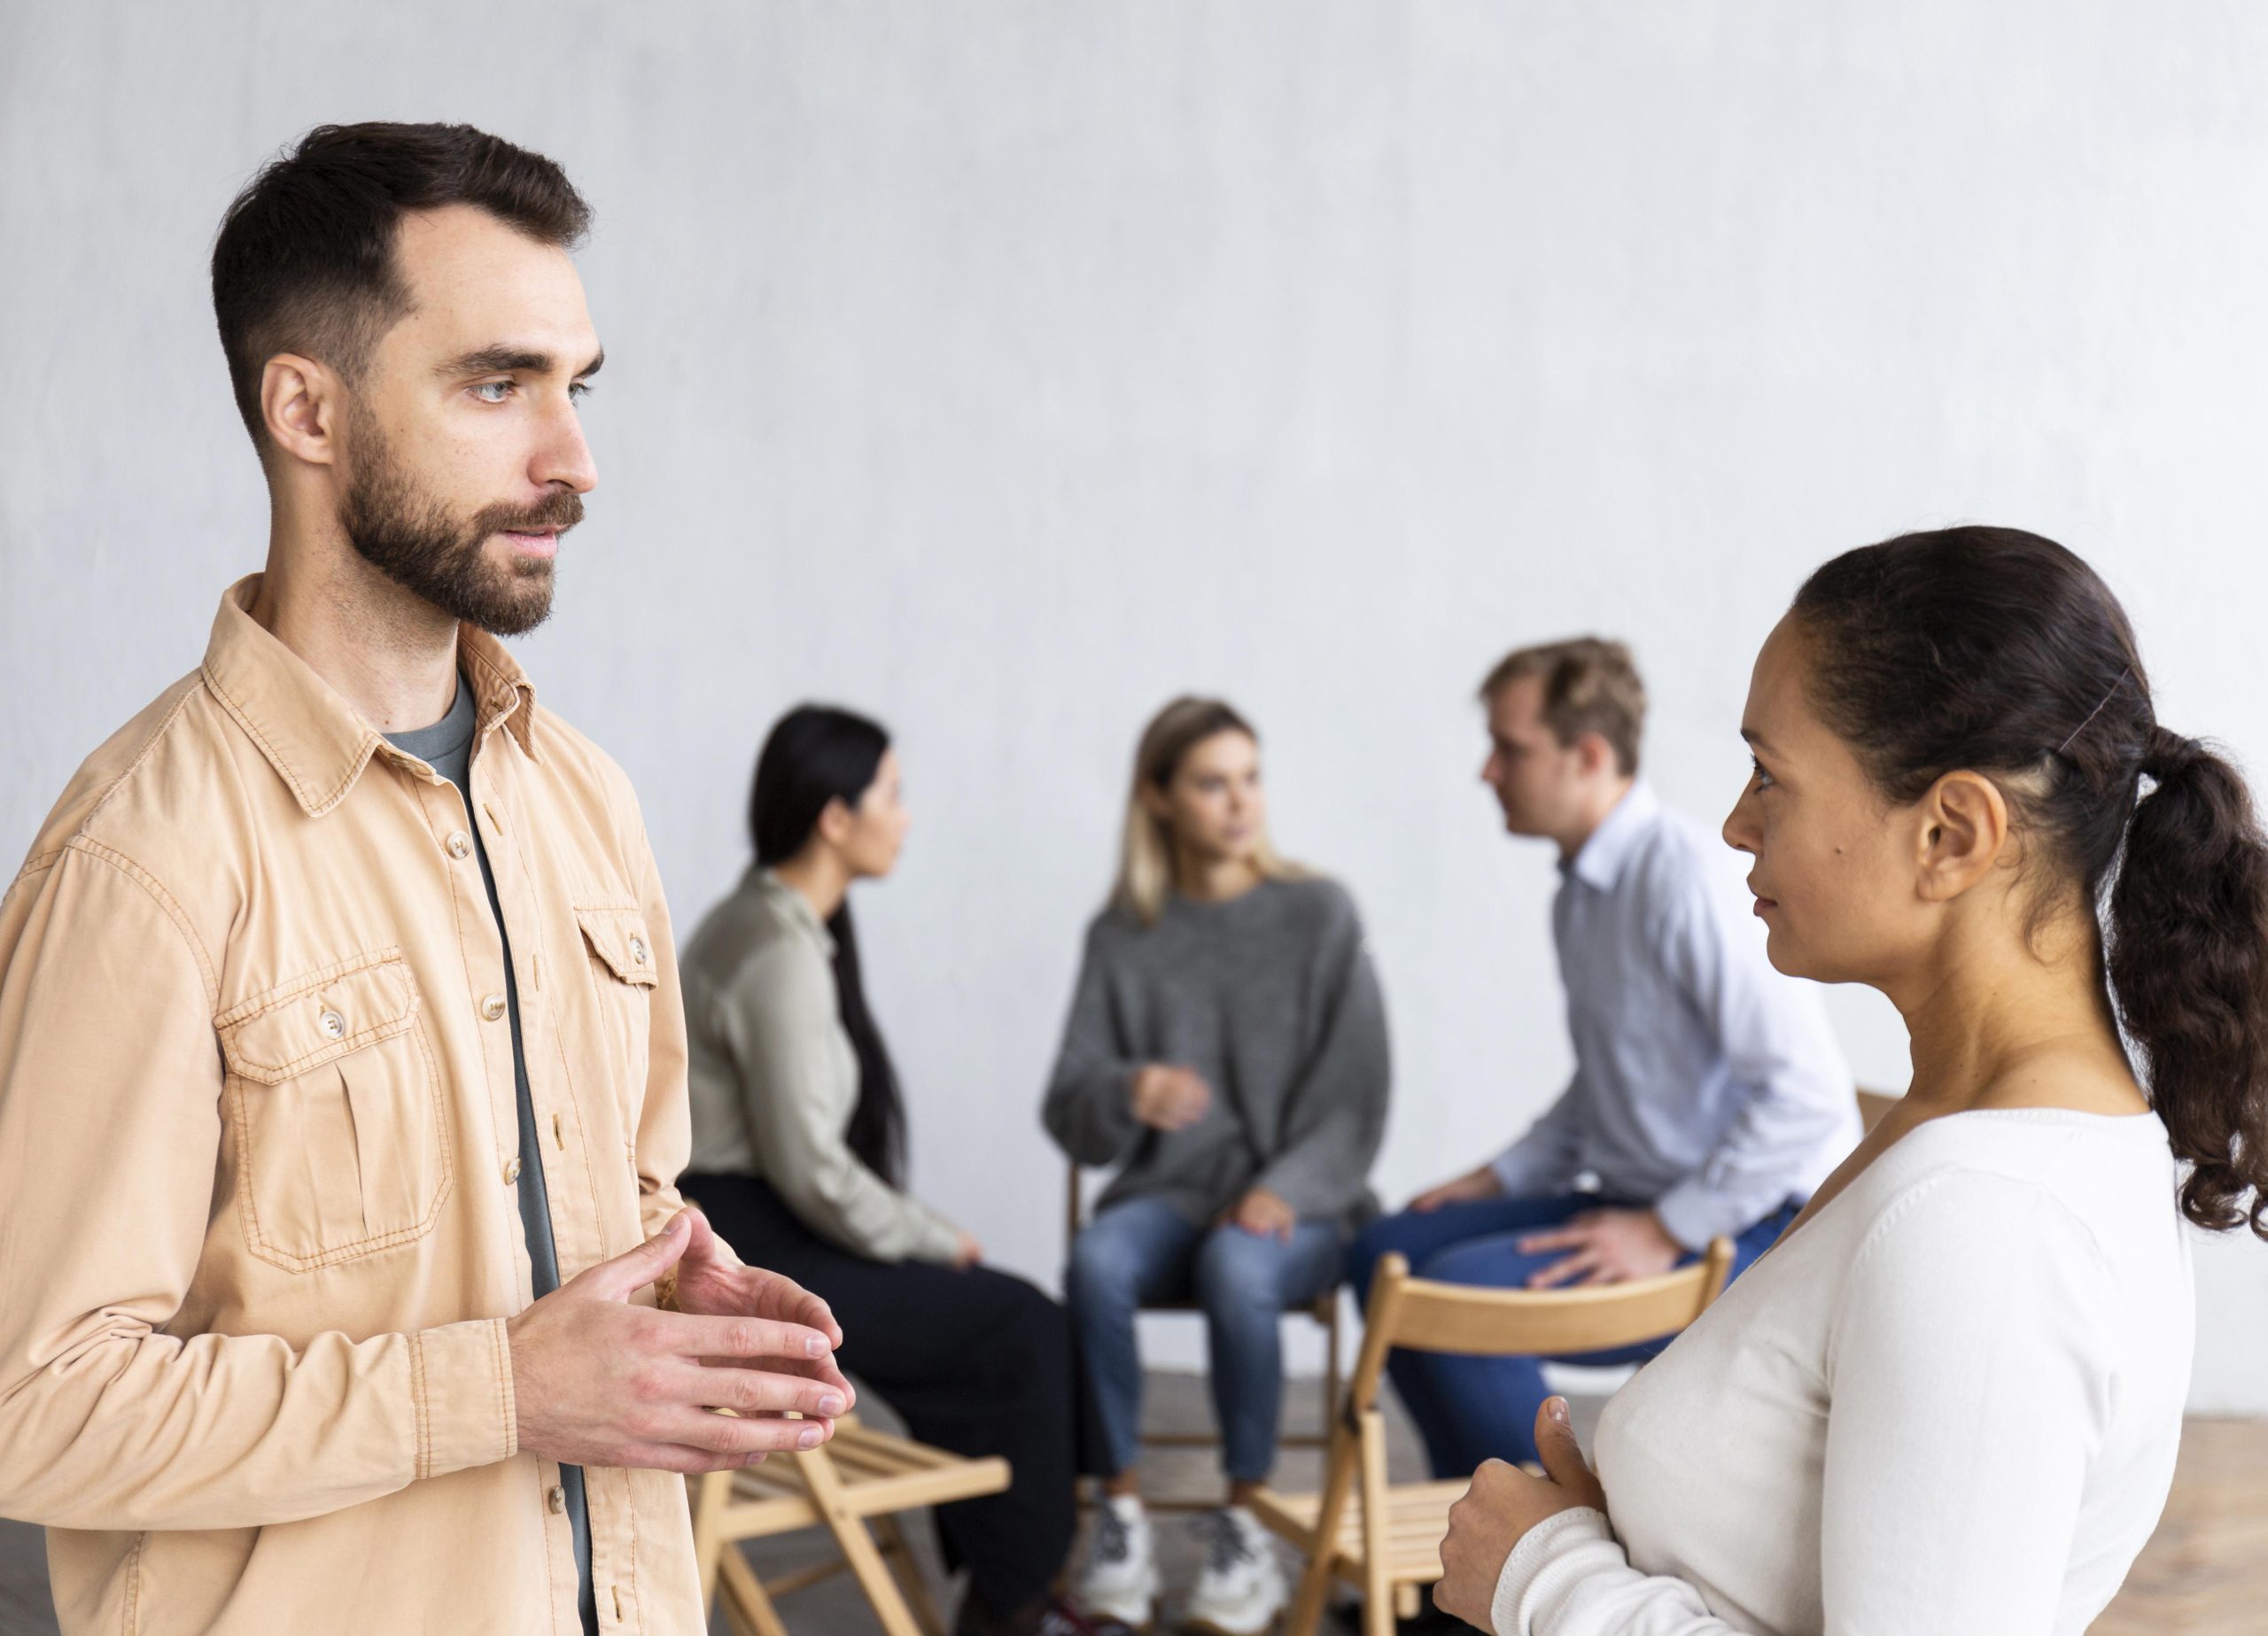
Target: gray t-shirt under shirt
[[447, 747]]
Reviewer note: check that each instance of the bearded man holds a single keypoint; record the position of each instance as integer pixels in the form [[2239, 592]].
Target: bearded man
[[344, 1280]]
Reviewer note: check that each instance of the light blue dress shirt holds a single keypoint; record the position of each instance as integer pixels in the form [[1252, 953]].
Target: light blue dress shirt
[[1707, 1083]]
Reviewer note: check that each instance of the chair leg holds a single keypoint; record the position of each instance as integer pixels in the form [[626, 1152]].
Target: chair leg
[[874, 1577], [1331, 1364], [711, 1493], [856, 1544], [1306, 1611], [911, 1580], [1378, 1605], [1378, 1586], [746, 1605]]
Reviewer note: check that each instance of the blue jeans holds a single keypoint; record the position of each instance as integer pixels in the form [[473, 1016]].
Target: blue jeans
[[1470, 1409], [1142, 1249]]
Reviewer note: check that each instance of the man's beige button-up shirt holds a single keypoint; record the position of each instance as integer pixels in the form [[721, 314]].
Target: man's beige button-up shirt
[[258, 1141]]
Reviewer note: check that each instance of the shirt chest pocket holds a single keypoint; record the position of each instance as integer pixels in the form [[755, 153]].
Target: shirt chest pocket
[[334, 1098], [624, 973]]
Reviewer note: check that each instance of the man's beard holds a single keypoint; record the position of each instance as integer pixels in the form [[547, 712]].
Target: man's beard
[[411, 538]]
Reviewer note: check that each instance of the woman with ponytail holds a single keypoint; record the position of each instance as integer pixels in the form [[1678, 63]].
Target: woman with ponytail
[[1949, 1399], [799, 1158]]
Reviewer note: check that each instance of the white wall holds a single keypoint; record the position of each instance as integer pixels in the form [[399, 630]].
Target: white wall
[[1003, 367]]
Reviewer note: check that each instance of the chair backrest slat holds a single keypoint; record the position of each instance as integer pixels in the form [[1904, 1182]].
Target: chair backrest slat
[[1424, 1315]]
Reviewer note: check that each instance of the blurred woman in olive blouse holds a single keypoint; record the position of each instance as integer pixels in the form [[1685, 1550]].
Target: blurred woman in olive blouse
[[799, 1158]]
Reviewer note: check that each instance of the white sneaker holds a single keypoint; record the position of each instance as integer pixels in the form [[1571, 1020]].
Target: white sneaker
[[1240, 1589], [1119, 1579]]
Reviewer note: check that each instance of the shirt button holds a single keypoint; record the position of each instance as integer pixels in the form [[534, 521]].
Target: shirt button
[[638, 950], [511, 1171], [493, 1007], [460, 845], [334, 1026], [556, 1499]]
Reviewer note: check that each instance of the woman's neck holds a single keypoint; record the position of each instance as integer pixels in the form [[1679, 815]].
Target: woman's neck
[[2012, 1021], [1213, 880], [820, 876]]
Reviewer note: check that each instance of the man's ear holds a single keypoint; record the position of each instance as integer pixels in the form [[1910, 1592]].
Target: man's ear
[[1962, 831], [302, 404]]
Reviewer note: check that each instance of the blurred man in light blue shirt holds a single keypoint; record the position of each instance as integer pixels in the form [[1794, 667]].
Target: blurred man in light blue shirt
[[1709, 1098]]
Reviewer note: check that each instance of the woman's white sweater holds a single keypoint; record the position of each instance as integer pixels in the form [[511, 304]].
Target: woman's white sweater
[[1947, 1404]]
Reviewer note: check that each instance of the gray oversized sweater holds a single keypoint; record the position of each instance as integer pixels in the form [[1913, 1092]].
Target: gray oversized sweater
[[1270, 997]]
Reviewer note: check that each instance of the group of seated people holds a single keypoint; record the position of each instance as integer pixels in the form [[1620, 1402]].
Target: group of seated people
[[1226, 1056]]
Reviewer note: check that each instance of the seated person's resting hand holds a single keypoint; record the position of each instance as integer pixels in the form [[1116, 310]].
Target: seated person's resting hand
[[1264, 1214], [1605, 1246], [1167, 1097], [1482, 1183], [968, 1252], [1502, 1504]]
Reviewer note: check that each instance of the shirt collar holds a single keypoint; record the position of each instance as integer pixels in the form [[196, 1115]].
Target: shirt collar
[[1599, 862], [793, 904], [317, 742]]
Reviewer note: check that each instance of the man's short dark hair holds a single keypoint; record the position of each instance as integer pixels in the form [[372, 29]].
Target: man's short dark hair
[[305, 261], [1590, 686]]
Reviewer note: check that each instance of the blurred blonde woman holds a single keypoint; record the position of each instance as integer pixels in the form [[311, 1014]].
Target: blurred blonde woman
[[1226, 1051]]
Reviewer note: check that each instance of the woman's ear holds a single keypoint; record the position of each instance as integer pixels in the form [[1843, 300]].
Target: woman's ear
[[1154, 803], [836, 822], [1964, 828]]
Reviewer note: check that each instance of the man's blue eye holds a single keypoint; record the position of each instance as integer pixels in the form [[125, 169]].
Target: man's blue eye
[[485, 387]]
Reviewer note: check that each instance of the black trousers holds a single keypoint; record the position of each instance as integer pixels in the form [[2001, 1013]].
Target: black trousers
[[978, 1362]]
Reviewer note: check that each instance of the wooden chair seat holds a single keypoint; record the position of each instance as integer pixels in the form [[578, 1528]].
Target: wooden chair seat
[[1418, 1517], [881, 1475], [859, 1476]]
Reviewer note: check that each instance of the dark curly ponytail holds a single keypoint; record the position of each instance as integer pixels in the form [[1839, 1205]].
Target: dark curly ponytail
[[2002, 653], [2185, 965]]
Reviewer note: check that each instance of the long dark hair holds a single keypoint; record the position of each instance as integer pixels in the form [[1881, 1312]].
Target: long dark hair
[[2002, 653], [814, 754]]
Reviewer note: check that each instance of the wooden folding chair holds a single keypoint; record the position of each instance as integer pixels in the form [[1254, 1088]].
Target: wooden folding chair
[[1390, 1546], [860, 1477], [1324, 1309]]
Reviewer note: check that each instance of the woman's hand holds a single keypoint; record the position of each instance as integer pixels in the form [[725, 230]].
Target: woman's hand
[[1502, 1504], [968, 1252], [1264, 1214], [1171, 1098]]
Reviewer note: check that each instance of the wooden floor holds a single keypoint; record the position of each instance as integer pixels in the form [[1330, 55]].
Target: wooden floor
[[2205, 1572]]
